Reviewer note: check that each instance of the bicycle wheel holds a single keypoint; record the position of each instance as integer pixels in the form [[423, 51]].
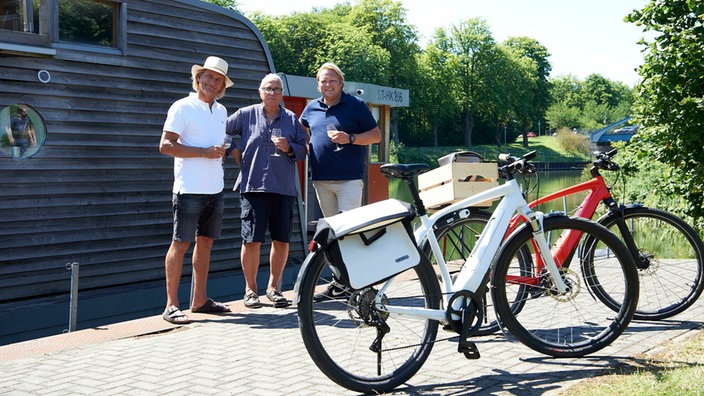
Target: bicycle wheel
[[570, 324], [338, 334], [457, 239], [669, 261]]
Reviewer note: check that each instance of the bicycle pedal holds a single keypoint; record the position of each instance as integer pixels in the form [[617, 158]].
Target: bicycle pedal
[[469, 349], [449, 327]]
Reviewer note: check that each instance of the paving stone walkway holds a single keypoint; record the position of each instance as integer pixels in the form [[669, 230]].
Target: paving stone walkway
[[260, 352]]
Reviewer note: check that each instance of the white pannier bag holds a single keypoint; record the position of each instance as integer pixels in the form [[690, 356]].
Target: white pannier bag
[[369, 244]]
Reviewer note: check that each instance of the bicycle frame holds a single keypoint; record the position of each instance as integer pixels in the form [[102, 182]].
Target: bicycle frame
[[479, 262], [598, 192]]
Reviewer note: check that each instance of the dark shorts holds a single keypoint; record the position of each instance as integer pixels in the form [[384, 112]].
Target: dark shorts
[[197, 214], [266, 210]]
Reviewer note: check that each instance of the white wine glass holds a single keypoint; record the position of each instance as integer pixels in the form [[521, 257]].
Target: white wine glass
[[275, 136], [332, 130], [227, 142]]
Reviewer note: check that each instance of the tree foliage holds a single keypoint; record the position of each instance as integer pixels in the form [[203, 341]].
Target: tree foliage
[[471, 43], [465, 88], [385, 23], [229, 4], [587, 105], [670, 98]]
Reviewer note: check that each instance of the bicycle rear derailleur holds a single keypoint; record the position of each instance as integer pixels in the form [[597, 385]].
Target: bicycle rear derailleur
[[361, 308]]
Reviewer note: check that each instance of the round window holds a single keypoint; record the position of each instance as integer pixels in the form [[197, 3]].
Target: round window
[[23, 131]]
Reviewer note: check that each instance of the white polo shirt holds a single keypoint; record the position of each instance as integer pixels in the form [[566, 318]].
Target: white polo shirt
[[197, 126]]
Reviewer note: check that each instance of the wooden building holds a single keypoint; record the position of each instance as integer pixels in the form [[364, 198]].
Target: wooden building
[[96, 191]]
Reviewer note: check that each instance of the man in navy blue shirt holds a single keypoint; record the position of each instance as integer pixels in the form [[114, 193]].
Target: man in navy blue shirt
[[267, 184], [341, 127]]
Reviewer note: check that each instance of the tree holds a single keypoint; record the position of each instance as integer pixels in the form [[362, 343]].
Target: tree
[[669, 104], [536, 99], [472, 44], [588, 105], [562, 115], [301, 42], [436, 107], [385, 23], [229, 4], [567, 89]]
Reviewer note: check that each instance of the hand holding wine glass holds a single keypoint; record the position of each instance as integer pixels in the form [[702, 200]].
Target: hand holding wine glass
[[227, 142], [332, 131], [275, 136]]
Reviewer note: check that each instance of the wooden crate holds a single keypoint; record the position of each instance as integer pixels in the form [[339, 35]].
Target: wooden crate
[[451, 183]]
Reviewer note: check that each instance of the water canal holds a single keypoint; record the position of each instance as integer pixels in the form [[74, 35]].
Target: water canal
[[549, 182]]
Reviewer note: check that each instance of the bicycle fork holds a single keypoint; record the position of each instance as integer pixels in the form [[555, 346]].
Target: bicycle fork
[[642, 262], [535, 219]]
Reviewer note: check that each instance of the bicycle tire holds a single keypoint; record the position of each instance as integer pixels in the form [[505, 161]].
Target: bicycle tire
[[669, 265], [338, 339], [457, 239], [569, 325]]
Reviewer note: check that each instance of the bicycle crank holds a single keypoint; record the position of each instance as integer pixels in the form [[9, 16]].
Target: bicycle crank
[[471, 314]]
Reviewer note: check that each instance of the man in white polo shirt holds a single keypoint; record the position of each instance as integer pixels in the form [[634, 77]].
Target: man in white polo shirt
[[193, 134]]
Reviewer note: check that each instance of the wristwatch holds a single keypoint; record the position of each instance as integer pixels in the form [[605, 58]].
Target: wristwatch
[[352, 138]]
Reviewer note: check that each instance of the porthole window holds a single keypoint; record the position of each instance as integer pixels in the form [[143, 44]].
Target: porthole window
[[23, 131]]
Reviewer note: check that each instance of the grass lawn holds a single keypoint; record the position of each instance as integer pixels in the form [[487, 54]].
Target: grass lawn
[[677, 368]]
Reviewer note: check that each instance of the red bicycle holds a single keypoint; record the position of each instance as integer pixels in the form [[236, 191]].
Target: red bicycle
[[667, 250]]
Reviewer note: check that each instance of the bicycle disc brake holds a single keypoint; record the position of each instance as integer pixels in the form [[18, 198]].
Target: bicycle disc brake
[[571, 280], [647, 264]]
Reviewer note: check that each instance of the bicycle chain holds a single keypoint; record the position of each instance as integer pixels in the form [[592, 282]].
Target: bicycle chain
[[421, 343]]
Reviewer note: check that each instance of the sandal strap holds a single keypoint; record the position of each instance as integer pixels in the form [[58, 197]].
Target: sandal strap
[[174, 312]]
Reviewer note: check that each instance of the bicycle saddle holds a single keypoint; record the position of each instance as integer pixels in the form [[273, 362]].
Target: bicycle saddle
[[403, 171]]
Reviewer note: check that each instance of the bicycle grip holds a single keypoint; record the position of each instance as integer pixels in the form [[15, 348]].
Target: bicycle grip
[[505, 157]]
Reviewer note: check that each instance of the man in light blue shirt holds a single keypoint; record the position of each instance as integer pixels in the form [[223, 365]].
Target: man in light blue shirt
[[267, 184]]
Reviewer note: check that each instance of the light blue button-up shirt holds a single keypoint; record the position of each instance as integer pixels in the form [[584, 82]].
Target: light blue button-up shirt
[[260, 170]]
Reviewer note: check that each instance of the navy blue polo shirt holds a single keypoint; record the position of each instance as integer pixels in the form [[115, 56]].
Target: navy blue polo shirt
[[350, 115]]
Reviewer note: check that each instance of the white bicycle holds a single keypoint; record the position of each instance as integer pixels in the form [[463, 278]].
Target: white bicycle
[[379, 336]]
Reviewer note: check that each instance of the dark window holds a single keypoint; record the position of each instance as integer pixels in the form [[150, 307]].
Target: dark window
[[88, 21], [19, 15]]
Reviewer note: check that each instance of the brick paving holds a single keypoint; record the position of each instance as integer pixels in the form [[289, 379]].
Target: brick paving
[[260, 352]]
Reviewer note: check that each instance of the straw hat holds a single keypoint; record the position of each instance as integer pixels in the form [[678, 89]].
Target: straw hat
[[215, 64]]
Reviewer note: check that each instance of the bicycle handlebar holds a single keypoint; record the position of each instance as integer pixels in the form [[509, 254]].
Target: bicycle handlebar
[[603, 160], [516, 164]]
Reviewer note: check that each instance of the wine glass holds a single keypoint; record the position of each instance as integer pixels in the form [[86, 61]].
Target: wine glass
[[227, 142], [275, 136], [332, 130]]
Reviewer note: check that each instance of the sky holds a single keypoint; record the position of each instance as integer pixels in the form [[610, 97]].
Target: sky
[[582, 37]]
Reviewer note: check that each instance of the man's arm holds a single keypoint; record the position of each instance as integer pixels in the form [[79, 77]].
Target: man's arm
[[8, 131], [366, 138], [237, 155], [169, 145]]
